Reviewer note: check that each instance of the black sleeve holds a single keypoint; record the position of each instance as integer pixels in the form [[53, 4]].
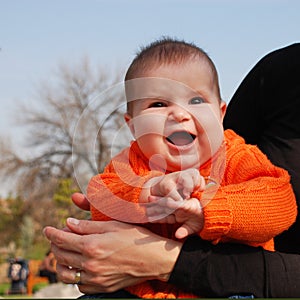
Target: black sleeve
[[233, 269], [266, 103], [244, 112], [265, 111]]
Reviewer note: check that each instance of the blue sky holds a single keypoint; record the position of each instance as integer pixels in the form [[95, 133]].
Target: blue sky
[[36, 35]]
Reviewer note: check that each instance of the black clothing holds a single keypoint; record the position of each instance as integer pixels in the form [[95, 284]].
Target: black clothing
[[52, 276], [121, 294], [265, 110], [234, 269]]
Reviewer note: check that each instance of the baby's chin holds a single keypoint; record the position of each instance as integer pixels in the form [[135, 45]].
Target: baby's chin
[[167, 164], [183, 166]]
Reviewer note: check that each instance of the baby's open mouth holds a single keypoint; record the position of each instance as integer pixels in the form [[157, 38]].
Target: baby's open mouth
[[181, 138]]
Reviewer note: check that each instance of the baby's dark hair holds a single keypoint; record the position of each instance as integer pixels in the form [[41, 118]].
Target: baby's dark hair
[[167, 51]]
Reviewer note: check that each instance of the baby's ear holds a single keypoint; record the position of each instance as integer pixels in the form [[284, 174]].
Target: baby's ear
[[223, 107], [129, 122]]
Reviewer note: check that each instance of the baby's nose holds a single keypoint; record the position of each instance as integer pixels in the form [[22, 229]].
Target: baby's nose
[[179, 114]]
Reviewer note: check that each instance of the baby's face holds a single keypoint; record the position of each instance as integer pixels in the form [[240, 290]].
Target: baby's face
[[177, 115]]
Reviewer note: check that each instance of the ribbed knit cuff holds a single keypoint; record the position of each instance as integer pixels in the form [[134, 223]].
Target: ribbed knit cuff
[[217, 215]]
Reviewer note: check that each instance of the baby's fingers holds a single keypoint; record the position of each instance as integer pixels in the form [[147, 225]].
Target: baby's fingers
[[154, 209], [166, 202], [163, 219], [174, 195], [183, 231], [191, 180], [157, 210]]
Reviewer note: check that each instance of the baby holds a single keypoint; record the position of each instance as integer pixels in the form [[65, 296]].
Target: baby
[[183, 172]]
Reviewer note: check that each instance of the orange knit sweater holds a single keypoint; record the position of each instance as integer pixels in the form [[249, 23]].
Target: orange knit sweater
[[253, 203]]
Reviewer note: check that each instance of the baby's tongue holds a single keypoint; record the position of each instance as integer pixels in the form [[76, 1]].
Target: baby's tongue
[[180, 138]]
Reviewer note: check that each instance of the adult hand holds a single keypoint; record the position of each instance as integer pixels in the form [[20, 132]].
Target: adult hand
[[111, 255]]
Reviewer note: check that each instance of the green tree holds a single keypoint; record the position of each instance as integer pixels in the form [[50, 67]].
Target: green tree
[[62, 199], [12, 212]]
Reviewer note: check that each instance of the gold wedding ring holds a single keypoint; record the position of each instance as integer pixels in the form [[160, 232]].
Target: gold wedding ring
[[77, 277]]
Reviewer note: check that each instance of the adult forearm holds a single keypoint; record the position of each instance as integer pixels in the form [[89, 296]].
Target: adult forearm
[[230, 269]]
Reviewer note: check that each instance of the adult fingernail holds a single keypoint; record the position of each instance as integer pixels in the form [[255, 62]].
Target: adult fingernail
[[73, 221]]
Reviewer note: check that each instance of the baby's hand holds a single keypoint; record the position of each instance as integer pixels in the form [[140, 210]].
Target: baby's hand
[[187, 212], [177, 185]]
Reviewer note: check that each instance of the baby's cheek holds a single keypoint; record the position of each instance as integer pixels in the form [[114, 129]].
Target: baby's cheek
[[148, 124], [209, 123]]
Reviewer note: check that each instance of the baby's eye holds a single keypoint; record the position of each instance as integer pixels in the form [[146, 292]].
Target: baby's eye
[[157, 104], [196, 100]]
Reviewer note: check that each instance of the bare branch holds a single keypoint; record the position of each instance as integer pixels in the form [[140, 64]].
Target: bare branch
[[76, 93]]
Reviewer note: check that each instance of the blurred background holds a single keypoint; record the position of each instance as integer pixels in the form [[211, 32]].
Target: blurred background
[[62, 63]]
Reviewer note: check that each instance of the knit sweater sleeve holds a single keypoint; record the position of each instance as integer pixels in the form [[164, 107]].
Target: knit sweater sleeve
[[255, 201], [114, 194]]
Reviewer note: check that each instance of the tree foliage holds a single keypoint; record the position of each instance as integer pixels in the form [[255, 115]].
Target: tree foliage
[[12, 211]]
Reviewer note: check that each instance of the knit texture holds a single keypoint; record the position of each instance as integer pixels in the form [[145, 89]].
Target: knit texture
[[252, 203]]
